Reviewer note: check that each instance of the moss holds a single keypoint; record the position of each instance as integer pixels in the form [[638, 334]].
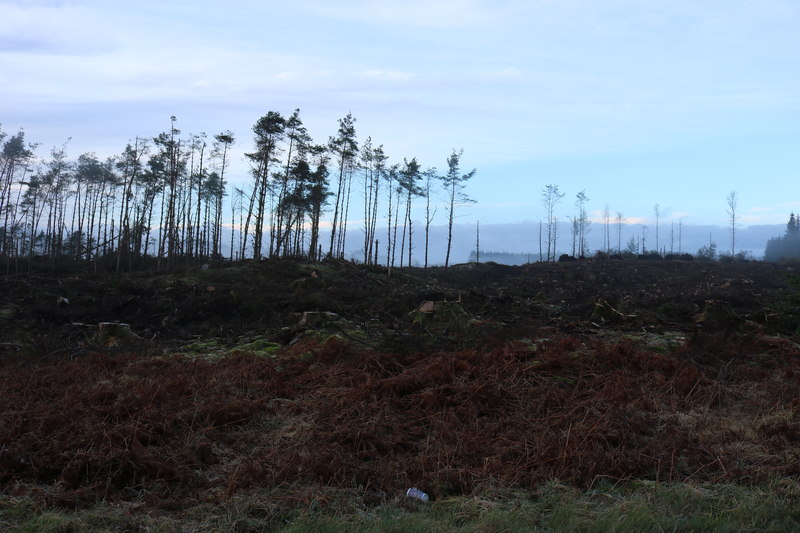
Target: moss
[[258, 346]]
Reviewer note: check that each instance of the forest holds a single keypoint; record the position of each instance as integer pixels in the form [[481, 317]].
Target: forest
[[163, 199]]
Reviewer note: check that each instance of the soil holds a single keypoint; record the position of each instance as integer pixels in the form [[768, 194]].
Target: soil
[[281, 373]]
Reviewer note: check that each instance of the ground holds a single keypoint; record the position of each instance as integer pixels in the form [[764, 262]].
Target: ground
[[341, 385]]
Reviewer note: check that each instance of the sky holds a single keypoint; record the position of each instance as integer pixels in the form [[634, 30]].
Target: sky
[[668, 102]]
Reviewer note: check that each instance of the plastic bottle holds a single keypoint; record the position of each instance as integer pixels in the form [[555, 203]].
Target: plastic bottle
[[416, 494]]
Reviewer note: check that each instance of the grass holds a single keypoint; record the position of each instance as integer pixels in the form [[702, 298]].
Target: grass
[[628, 507]]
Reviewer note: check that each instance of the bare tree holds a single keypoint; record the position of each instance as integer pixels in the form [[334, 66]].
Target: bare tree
[[620, 221], [583, 222], [550, 198], [644, 239], [733, 203], [540, 240], [430, 177], [657, 214], [478, 242], [671, 235], [575, 232]]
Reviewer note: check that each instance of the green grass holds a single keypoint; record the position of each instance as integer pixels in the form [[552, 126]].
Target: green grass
[[629, 507]]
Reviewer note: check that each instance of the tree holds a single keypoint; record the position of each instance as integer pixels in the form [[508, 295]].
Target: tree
[[550, 199], [787, 246], [620, 221], [391, 236], [171, 168], [290, 182], [478, 242], [14, 159], [430, 177], [733, 202], [55, 181], [708, 252], [345, 147], [582, 222], [644, 239], [317, 193], [219, 151], [373, 163], [793, 226], [269, 131], [454, 183], [130, 166], [409, 176], [575, 233], [632, 247], [658, 215]]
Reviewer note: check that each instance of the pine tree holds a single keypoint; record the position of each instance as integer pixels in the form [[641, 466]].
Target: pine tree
[[454, 183]]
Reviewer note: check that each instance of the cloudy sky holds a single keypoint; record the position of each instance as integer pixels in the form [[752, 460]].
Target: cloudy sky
[[674, 102]]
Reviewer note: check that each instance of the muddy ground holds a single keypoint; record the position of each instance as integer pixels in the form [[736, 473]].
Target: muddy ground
[[287, 374]]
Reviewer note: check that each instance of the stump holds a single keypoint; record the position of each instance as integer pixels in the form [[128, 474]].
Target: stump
[[114, 333]]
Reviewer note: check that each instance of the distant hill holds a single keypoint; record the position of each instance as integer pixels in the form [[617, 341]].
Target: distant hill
[[505, 258]]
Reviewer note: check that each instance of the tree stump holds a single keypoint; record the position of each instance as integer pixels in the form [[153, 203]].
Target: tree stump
[[114, 333]]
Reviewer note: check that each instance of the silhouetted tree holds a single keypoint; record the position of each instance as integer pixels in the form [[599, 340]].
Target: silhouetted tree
[[454, 183], [373, 165], [345, 148], [219, 151], [15, 158], [291, 182], [317, 193], [409, 177], [268, 130]]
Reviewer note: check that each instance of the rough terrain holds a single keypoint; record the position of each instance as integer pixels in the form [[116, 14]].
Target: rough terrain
[[316, 377]]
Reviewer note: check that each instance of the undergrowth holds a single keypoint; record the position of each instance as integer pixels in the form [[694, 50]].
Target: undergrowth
[[625, 507]]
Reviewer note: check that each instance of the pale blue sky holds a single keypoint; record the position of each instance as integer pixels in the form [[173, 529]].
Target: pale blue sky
[[638, 102]]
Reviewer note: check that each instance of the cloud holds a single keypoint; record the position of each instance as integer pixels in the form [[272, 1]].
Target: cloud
[[387, 75], [770, 214], [53, 28], [449, 14]]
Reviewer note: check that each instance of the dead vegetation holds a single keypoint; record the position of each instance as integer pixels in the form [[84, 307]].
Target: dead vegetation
[[521, 386], [175, 431]]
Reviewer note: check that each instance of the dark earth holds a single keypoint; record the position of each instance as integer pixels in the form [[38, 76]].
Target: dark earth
[[309, 377]]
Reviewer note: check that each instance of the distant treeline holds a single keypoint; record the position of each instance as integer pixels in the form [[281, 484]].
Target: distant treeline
[[787, 246], [504, 258]]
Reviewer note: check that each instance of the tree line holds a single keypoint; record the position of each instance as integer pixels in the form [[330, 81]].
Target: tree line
[[579, 225], [788, 245], [161, 200]]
